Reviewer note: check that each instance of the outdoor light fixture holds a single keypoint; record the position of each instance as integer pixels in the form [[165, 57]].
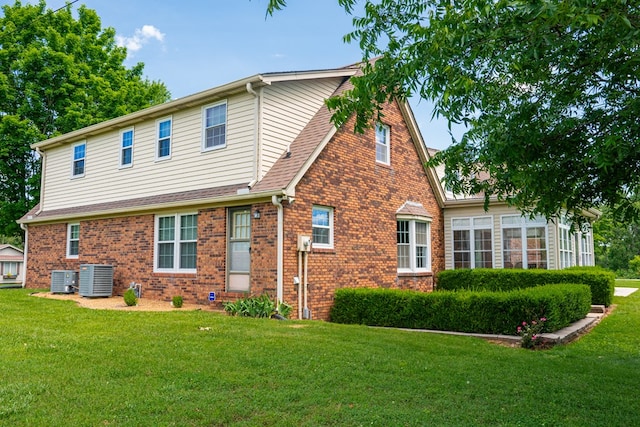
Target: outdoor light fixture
[[256, 214]]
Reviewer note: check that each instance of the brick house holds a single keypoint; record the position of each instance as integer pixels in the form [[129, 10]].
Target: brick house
[[221, 191]]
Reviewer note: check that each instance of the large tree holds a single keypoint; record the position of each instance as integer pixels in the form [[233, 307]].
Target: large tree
[[58, 73], [547, 89]]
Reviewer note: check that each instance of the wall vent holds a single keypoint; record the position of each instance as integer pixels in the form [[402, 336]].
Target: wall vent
[[96, 280], [63, 281]]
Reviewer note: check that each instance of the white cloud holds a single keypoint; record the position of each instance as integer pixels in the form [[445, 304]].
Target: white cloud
[[140, 37]]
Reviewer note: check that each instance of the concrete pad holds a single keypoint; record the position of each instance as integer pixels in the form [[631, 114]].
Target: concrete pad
[[624, 292]]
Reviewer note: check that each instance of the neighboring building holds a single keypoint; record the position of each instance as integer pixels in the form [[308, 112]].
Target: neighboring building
[[11, 265], [502, 238], [218, 191]]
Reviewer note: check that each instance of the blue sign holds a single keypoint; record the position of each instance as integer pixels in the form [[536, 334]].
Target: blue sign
[[212, 296]]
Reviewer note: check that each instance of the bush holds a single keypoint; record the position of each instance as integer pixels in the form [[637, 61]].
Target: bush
[[177, 301], [488, 312], [130, 297], [261, 306], [601, 281]]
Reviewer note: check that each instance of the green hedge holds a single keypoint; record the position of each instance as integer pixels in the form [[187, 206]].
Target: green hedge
[[601, 282], [485, 312]]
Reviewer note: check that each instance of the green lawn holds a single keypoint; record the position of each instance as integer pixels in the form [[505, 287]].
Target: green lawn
[[61, 365]]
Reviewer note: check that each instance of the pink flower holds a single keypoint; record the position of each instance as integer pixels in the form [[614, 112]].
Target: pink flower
[[519, 329], [534, 337], [524, 323], [543, 319], [534, 322]]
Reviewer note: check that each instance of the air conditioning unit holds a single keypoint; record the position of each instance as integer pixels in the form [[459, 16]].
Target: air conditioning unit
[[96, 280], [63, 281]]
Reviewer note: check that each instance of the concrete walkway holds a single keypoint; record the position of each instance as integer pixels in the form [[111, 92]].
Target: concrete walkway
[[624, 292]]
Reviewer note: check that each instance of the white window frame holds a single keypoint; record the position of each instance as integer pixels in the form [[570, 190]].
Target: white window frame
[[386, 144], [123, 148], [74, 160], [566, 239], [523, 224], [158, 138], [70, 239], [586, 247], [7, 265], [472, 226], [176, 243], [204, 125], [330, 227], [413, 267]]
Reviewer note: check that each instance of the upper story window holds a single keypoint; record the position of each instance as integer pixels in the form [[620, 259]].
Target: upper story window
[[414, 245], [78, 161], [472, 242], [73, 240], [524, 242], [163, 149], [176, 243], [215, 126], [126, 148], [322, 227], [382, 144]]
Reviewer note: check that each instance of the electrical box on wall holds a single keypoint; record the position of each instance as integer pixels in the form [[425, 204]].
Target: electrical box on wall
[[304, 243]]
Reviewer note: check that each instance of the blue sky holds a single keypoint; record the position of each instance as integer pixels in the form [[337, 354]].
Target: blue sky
[[193, 45]]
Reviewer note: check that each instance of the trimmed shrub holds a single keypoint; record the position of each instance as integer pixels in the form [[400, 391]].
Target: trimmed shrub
[[177, 301], [601, 282], [487, 312], [130, 297]]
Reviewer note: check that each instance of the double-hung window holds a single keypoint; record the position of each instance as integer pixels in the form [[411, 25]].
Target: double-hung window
[[176, 243], [565, 243], [9, 269], [382, 144], [78, 160], [73, 240], [472, 242], [322, 227], [586, 246], [215, 126], [126, 148], [524, 242], [413, 245], [163, 149]]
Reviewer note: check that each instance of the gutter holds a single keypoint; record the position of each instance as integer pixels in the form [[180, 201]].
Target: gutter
[[277, 202], [25, 254]]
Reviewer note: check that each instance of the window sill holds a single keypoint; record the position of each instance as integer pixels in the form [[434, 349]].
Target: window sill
[[175, 274], [416, 274]]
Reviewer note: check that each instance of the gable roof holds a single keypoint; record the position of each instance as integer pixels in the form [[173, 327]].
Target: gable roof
[[10, 253], [282, 177]]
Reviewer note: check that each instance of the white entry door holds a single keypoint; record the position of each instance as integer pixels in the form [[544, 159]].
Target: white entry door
[[239, 251]]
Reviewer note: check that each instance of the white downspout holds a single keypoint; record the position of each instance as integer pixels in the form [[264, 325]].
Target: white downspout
[[26, 251], [277, 201], [43, 168], [257, 144]]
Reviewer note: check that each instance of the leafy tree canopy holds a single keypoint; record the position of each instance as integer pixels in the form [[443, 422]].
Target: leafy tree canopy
[[57, 74], [547, 89]]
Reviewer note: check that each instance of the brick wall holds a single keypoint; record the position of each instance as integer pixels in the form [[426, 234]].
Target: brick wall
[[365, 196]]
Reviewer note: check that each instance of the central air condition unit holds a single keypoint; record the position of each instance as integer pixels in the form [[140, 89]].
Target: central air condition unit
[[96, 280], [63, 281]]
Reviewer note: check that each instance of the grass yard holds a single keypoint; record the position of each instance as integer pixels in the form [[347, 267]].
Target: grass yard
[[61, 365]]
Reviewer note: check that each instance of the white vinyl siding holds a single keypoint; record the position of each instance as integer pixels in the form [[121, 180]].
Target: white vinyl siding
[[287, 108], [189, 168]]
